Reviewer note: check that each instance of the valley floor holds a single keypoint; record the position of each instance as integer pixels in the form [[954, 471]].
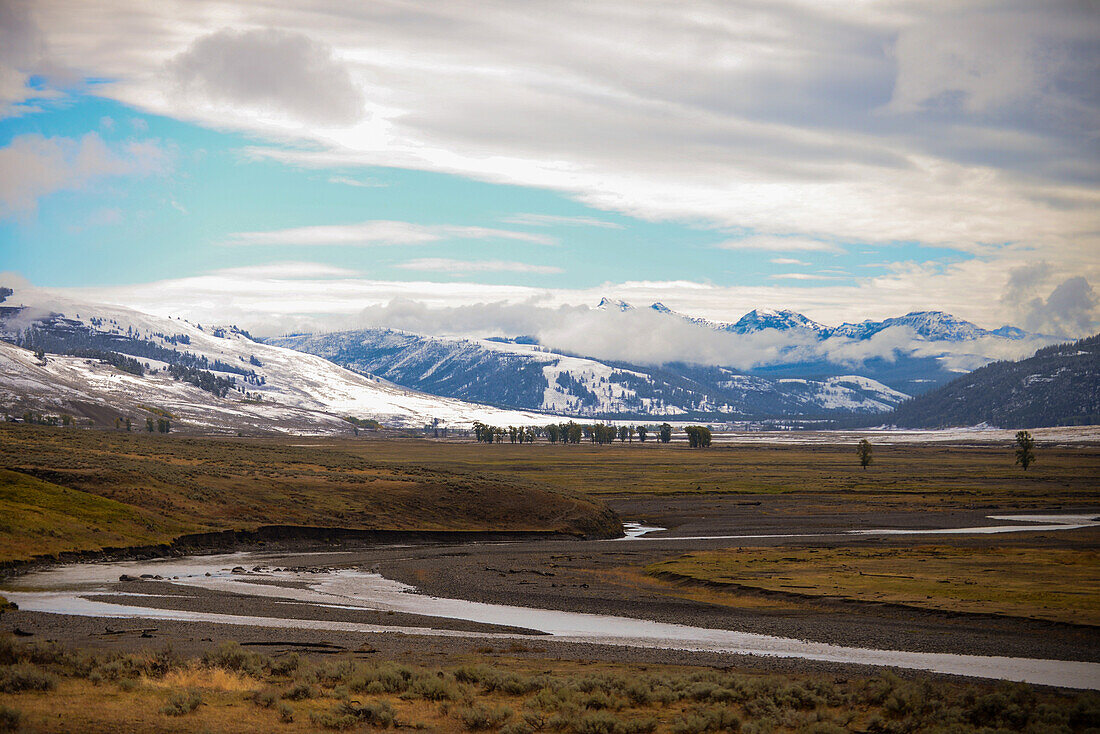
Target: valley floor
[[778, 504]]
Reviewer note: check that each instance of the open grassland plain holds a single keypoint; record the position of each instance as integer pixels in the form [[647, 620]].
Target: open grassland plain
[[45, 688], [925, 476], [73, 490], [1056, 584]]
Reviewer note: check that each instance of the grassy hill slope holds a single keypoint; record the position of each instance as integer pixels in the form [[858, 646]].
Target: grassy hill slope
[[127, 488]]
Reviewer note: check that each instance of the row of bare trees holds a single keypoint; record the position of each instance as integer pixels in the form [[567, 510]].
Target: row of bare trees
[[597, 433]]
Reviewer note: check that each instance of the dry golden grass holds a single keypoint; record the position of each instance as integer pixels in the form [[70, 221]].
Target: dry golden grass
[[129, 488], [934, 477], [1055, 584], [207, 679], [499, 692]]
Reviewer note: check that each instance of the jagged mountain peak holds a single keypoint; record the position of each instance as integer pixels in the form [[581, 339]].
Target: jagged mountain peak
[[780, 319], [609, 304]]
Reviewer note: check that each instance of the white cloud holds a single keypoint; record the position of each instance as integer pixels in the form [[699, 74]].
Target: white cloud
[[953, 123], [800, 276], [271, 71], [32, 166], [780, 243], [447, 265], [787, 261], [287, 270], [380, 232], [359, 183], [290, 303], [550, 220], [23, 53]]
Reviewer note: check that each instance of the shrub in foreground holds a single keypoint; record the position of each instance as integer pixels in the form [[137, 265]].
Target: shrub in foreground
[[182, 702]]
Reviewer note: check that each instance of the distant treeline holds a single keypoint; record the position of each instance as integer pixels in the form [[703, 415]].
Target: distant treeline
[[597, 433]]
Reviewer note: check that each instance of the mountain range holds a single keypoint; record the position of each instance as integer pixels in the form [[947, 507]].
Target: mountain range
[[927, 325], [107, 363], [519, 374]]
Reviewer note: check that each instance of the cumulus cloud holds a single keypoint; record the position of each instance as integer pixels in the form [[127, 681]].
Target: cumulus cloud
[[1070, 307], [448, 265], [32, 166], [270, 70], [1070, 310], [380, 232]]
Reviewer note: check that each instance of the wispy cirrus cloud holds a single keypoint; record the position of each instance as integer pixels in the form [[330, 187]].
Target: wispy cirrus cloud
[[448, 265], [551, 220], [381, 232], [801, 276], [356, 182], [288, 270], [780, 243]]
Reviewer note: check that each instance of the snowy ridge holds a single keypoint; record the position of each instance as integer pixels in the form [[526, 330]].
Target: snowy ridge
[[286, 390], [527, 376]]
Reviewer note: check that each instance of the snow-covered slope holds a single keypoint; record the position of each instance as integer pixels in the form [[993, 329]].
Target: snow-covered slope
[[527, 376], [763, 318], [928, 325], [272, 388]]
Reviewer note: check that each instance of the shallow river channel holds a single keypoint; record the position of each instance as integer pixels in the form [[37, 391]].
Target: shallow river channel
[[88, 590]]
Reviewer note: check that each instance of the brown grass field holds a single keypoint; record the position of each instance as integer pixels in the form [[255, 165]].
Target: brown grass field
[[935, 476], [1055, 584], [65, 490], [158, 487], [68, 489], [48, 689]]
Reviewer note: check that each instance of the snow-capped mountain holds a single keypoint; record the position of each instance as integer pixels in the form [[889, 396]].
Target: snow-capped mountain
[[761, 318], [929, 325], [104, 362], [609, 304], [529, 376]]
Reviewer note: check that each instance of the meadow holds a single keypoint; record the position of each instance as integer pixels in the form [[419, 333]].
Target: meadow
[[1021, 580]]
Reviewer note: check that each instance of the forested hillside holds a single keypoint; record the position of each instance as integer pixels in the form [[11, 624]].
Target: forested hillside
[[1058, 386]]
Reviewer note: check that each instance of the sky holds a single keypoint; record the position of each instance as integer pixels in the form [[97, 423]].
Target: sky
[[297, 166]]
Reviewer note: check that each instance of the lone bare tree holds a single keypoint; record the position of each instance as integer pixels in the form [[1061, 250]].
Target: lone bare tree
[[1025, 456], [864, 452]]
